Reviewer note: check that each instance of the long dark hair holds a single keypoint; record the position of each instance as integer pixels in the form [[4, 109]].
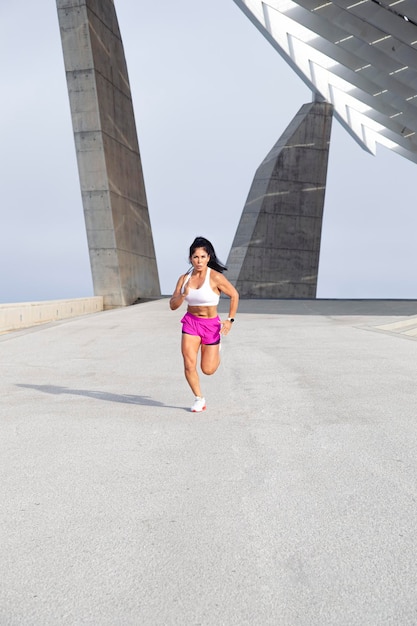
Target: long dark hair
[[214, 263]]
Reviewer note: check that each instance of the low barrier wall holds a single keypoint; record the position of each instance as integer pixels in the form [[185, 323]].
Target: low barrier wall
[[25, 314]]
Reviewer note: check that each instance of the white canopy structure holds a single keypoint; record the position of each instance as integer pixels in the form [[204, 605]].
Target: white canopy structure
[[360, 56]]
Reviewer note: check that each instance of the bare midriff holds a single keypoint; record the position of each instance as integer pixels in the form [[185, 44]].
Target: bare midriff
[[203, 311]]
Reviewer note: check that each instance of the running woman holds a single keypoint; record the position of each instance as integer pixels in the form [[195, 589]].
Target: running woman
[[202, 327]]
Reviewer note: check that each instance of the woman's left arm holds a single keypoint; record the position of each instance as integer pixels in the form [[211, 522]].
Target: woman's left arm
[[226, 287]]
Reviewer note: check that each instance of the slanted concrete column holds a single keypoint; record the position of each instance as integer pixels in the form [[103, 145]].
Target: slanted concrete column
[[119, 232], [275, 252]]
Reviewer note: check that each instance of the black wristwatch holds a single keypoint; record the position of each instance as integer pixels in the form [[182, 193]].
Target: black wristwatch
[[231, 319]]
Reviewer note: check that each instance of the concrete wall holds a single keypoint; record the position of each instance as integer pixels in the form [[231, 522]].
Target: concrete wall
[[119, 232], [275, 252], [25, 314]]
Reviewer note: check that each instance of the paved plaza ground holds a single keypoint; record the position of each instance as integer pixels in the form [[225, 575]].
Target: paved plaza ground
[[291, 501]]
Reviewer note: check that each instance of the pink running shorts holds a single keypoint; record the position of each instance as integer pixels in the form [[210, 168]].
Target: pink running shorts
[[207, 328]]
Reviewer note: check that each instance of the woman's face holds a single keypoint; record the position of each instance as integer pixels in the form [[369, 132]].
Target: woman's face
[[199, 259]]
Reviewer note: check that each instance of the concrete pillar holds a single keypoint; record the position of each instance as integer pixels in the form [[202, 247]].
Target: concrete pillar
[[275, 252], [116, 214]]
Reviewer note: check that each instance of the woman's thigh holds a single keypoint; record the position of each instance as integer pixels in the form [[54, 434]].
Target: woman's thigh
[[190, 345], [210, 358]]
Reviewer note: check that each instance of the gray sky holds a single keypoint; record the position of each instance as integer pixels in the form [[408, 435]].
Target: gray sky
[[211, 98]]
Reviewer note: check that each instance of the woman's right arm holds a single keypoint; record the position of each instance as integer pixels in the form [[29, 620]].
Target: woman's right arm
[[177, 297]]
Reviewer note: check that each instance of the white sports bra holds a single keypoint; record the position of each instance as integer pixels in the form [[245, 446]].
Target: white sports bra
[[204, 296]]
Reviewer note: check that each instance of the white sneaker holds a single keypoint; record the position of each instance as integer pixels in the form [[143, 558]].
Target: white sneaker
[[199, 405]]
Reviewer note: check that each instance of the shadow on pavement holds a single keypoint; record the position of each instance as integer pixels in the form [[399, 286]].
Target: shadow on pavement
[[101, 395]]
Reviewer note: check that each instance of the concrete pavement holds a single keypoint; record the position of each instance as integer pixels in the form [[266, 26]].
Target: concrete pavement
[[291, 501]]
